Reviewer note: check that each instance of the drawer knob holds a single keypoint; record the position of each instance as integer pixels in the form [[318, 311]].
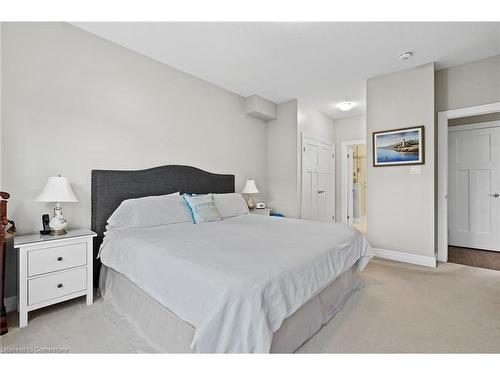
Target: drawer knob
[[59, 258], [59, 285]]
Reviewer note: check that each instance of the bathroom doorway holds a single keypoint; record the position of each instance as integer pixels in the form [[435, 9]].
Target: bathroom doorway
[[354, 186]]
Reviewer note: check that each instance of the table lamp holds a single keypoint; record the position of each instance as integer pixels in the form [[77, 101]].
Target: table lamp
[[250, 188], [57, 190]]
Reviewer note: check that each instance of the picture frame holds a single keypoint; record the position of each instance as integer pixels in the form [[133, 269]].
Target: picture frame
[[404, 146]]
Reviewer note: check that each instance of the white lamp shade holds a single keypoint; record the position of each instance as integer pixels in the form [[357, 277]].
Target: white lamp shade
[[250, 187], [58, 189]]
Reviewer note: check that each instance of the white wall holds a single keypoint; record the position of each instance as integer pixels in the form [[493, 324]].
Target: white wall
[[470, 84], [346, 129], [401, 205], [285, 155], [1, 115], [310, 120], [11, 272], [282, 160], [74, 102]]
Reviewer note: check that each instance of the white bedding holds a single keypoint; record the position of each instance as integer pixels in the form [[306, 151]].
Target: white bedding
[[235, 280]]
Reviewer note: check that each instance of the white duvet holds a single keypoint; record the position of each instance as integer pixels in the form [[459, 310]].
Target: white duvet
[[236, 280]]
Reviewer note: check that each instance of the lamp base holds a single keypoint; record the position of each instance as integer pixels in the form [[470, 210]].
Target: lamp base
[[57, 232], [250, 203], [57, 223]]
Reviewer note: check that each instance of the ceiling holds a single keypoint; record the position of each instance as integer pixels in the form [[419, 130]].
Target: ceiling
[[318, 63]]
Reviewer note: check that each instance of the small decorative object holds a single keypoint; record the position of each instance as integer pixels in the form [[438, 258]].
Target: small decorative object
[[399, 147], [57, 190], [250, 188], [45, 224], [260, 205]]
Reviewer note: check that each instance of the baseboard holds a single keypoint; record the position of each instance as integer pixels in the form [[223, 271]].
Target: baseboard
[[405, 257], [11, 304]]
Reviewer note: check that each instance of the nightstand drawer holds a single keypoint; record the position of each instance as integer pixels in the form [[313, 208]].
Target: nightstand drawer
[[56, 258], [56, 285], [261, 211]]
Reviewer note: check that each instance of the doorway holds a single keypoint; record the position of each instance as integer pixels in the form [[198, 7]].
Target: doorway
[[474, 222], [318, 179], [354, 185], [474, 186], [474, 194]]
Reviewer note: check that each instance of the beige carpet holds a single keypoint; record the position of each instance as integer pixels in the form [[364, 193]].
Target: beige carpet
[[402, 309]]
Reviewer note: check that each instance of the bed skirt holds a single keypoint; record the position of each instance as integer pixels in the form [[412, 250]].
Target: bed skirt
[[150, 327]]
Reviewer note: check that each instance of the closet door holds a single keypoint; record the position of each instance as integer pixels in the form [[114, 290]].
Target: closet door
[[318, 179], [474, 188]]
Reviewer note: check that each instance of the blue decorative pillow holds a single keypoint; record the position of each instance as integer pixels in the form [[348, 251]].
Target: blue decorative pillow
[[202, 208]]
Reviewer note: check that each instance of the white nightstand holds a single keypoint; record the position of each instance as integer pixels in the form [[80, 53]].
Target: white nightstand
[[53, 269], [261, 211]]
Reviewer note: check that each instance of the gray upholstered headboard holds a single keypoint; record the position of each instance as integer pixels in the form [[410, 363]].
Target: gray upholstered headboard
[[110, 188]]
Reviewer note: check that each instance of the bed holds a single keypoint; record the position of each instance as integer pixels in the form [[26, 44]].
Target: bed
[[245, 284]]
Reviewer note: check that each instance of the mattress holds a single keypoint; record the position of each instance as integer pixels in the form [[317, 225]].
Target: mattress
[[149, 327], [236, 280]]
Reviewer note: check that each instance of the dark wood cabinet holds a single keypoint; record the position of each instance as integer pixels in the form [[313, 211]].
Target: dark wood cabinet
[[3, 250]]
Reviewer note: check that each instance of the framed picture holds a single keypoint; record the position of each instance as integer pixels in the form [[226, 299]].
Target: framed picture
[[399, 147]]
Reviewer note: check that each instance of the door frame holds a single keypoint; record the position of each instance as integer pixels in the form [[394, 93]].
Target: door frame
[[442, 170], [343, 189], [474, 126], [299, 179], [468, 127]]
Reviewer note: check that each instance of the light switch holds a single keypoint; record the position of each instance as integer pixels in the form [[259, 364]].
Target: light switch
[[416, 169]]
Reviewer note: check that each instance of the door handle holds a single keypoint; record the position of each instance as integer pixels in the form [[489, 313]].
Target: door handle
[[320, 191], [496, 195]]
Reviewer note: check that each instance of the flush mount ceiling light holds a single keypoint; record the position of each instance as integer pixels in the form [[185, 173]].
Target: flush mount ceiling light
[[406, 56], [345, 106]]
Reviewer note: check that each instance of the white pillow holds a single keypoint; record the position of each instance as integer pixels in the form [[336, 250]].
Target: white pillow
[[150, 211], [230, 205]]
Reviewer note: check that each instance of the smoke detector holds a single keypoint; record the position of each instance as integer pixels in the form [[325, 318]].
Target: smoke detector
[[406, 56]]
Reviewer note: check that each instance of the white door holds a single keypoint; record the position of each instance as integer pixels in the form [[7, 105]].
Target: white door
[[474, 187], [350, 187], [318, 180]]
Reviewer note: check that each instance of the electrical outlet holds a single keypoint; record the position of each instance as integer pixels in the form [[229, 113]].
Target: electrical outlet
[[416, 169]]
